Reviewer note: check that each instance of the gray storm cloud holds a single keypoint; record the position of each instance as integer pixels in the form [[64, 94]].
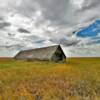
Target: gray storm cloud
[[59, 12], [21, 30], [51, 21], [4, 24]]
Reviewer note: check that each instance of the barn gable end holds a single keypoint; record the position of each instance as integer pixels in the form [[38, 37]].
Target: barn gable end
[[58, 54]]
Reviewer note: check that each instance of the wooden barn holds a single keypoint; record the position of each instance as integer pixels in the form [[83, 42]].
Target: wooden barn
[[51, 53]]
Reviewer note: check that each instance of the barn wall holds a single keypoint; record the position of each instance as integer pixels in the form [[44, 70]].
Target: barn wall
[[58, 55], [30, 56]]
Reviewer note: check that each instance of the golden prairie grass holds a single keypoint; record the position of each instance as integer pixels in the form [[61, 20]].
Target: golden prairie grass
[[75, 79]]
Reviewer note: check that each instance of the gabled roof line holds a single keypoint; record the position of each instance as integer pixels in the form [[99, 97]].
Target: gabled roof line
[[40, 48]]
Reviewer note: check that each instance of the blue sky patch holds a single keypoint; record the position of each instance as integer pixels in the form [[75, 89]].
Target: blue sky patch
[[90, 31]]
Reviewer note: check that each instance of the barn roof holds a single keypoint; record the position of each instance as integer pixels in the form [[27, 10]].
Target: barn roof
[[41, 53]]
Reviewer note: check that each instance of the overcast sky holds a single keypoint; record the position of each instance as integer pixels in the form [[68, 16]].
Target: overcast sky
[[26, 24]]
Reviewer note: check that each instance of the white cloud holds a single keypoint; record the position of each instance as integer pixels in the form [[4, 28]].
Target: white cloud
[[51, 21], [77, 3]]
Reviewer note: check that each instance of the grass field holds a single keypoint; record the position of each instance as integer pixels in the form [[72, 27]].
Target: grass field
[[75, 79]]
